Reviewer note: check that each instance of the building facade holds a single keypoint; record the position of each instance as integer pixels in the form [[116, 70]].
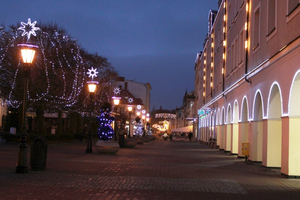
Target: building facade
[[138, 90], [247, 81], [185, 115]]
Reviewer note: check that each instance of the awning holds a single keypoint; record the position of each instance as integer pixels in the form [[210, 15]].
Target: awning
[[185, 129]]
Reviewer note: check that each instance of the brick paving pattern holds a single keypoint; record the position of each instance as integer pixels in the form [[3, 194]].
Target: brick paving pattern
[[155, 170]]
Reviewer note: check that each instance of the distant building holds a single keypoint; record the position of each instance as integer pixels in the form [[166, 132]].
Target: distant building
[[185, 114], [138, 90], [247, 81], [136, 95]]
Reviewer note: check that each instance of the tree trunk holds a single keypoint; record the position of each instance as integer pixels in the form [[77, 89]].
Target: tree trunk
[[40, 121]]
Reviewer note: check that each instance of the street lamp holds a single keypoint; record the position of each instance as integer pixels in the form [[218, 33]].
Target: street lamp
[[129, 107], [116, 101], [138, 113], [27, 53], [92, 89]]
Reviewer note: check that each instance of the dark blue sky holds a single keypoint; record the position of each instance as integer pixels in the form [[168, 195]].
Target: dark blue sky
[[147, 41]]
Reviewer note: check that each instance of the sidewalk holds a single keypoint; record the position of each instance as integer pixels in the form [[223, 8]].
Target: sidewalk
[[155, 170]]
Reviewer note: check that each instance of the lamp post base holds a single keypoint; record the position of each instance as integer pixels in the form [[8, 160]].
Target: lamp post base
[[22, 167]]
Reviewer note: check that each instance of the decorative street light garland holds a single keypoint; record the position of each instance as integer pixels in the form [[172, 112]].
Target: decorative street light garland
[[60, 67]]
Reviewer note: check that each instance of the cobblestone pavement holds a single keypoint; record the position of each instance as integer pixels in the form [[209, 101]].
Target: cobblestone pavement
[[155, 170]]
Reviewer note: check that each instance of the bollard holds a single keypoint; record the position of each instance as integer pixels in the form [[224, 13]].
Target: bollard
[[38, 154]]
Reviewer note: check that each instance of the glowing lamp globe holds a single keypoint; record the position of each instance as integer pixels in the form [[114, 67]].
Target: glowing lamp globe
[[116, 100], [27, 52], [129, 108], [92, 86], [27, 55]]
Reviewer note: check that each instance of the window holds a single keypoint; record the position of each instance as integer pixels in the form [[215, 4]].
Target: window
[[271, 16], [236, 52], [241, 47], [232, 56], [228, 62], [256, 28], [292, 5]]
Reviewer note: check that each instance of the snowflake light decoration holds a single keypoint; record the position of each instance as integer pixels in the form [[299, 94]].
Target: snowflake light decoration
[[28, 28], [130, 100], [117, 90], [139, 107], [92, 73]]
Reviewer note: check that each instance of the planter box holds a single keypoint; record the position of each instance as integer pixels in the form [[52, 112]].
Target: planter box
[[110, 146], [130, 143]]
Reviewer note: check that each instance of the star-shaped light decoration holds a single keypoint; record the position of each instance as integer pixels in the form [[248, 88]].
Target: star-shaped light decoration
[[117, 90], [28, 28], [92, 73], [130, 100]]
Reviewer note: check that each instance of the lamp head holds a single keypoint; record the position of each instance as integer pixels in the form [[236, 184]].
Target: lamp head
[[116, 100], [27, 52], [92, 86], [129, 107]]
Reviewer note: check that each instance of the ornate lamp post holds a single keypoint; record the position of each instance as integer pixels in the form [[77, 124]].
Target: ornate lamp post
[[27, 52], [92, 89], [129, 107], [116, 101]]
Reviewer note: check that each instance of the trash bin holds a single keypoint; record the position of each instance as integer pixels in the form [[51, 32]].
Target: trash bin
[[38, 154]]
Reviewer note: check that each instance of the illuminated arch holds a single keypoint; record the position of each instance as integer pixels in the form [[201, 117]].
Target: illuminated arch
[[244, 110], [243, 125], [256, 146], [218, 117], [294, 96], [222, 116], [229, 114], [235, 112], [272, 142], [274, 102], [258, 112]]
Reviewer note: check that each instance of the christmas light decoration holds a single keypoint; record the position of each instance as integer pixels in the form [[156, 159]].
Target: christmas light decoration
[[130, 100], [28, 28], [92, 73], [105, 131], [59, 75], [138, 128], [116, 90], [163, 127], [165, 115]]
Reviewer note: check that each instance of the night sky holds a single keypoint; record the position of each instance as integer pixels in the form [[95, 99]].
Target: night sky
[[152, 41]]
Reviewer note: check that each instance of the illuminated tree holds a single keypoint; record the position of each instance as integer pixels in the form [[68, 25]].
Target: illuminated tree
[[58, 75]]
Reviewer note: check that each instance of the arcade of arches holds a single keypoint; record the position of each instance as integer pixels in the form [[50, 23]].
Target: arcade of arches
[[267, 117]]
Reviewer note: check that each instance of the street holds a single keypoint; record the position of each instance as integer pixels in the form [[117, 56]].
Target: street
[[154, 170]]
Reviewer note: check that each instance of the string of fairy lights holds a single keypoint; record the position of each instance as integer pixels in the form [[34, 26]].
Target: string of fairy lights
[[61, 61]]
